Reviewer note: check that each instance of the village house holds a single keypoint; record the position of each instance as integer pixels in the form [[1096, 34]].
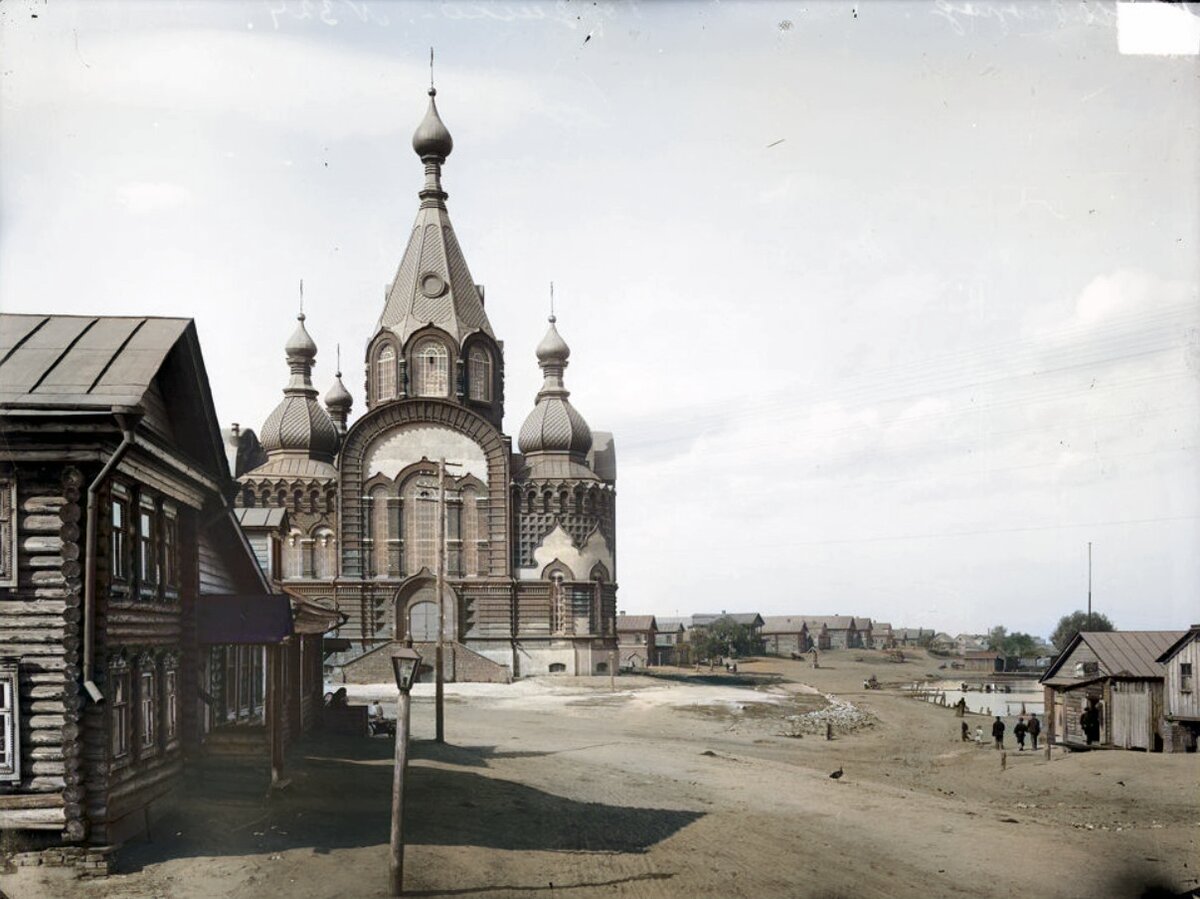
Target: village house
[[912, 636], [942, 642], [965, 643], [670, 643], [833, 632], [882, 636], [636, 640], [136, 627], [1181, 700], [785, 635], [982, 660], [751, 620], [1115, 681]]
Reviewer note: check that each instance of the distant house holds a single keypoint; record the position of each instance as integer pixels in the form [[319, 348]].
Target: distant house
[[911, 636], [942, 642], [1181, 699], [984, 660], [1115, 678], [965, 643], [670, 645], [882, 635], [866, 633], [834, 632], [784, 635], [636, 640]]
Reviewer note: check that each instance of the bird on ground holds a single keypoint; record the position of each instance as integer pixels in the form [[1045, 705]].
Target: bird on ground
[[837, 774]]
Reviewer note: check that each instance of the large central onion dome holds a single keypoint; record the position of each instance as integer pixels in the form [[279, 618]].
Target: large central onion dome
[[298, 424], [554, 425]]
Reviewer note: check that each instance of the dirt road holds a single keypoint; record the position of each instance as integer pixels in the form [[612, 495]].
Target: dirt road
[[665, 788]]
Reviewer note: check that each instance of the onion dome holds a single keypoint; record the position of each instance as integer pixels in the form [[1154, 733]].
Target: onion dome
[[554, 426], [299, 425], [338, 401], [432, 138]]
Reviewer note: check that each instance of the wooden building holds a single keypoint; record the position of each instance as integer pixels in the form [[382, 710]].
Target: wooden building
[[834, 632], [1181, 699], [785, 635], [636, 640], [982, 660], [1115, 680], [124, 578], [670, 643]]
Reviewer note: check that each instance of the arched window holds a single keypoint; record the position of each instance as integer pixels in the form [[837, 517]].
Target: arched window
[[431, 368], [557, 603], [379, 531], [324, 554], [293, 556], [421, 536], [479, 373], [385, 375]]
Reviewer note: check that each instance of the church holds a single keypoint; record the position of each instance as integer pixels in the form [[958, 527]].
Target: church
[[347, 513]]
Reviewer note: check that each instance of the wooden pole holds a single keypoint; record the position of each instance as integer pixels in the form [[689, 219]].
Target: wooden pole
[[396, 865], [439, 712]]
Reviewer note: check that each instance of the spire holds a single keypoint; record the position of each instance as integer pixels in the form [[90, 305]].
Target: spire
[[554, 425], [433, 284], [338, 400], [299, 424]]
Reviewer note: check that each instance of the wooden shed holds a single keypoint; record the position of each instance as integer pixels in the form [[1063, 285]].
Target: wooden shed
[[1181, 699], [1106, 690]]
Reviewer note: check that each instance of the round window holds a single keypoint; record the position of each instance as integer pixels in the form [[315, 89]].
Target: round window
[[432, 285]]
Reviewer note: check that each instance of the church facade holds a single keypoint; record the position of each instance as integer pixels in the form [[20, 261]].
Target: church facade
[[528, 537]]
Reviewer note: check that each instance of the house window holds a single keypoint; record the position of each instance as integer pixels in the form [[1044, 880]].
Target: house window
[[146, 708], [241, 686], [558, 668], [118, 541], [148, 559], [294, 556], [385, 375], [8, 531], [431, 368], [479, 374], [170, 554], [1185, 677], [170, 703], [120, 711], [10, 726]]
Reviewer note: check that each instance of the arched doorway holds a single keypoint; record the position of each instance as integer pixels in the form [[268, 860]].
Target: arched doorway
[[415, 610], [423, 620]]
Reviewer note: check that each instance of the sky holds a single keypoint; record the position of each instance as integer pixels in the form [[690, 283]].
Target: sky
[[892, 307]]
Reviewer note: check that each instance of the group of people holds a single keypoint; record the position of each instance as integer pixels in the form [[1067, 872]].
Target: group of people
[[1022, 729]]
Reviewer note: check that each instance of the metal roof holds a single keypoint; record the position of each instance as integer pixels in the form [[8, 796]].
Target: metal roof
[[254, 517], [749, 618], [82, 361], [1187, 636], [1126, 653], [832, 622], [673, 624]]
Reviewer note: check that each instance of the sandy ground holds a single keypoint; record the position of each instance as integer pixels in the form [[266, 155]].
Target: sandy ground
[[560, 787]]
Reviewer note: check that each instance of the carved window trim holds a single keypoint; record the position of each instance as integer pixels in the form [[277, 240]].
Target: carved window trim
[[170, 700], [8, 531], [10, 724], [147, 706], [120, 711]]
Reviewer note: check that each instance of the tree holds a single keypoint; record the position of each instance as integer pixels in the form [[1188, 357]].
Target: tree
[[1070, 625], [1011, 645], [724, 637]]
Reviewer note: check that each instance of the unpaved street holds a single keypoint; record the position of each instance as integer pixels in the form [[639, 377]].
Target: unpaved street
[[665, 788]]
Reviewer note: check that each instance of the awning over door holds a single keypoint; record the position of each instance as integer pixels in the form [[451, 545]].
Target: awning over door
[[235, 618]]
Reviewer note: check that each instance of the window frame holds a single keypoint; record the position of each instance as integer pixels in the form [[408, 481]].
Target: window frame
[[479, 374], [148, 555], [384, 373], [120, 714], [8, 530], [419, 373], [169, 575], [1185, 677], [147, 706], [10, 723], [170, 702]]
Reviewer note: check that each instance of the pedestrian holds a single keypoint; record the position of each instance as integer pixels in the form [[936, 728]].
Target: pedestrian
[[1034, 728], [966, 732], [978, 734], [998, 732], [1085, 724], [1019, 732]]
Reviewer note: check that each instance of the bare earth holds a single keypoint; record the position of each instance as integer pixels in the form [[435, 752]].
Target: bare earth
[[560, 787]]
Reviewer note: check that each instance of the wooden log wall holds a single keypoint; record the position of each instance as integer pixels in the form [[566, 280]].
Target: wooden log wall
[[40, 626]]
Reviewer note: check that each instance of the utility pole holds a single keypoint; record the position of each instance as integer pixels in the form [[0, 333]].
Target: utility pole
[[1089, 624], [439, 677]]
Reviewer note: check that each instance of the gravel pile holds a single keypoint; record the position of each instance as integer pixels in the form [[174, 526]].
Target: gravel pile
[[843, 716]]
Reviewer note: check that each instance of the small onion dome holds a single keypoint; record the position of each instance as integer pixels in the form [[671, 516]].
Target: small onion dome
[[300, 343], [555, 426], [338, 396], [300, 425], [432, 138], [553, 348]]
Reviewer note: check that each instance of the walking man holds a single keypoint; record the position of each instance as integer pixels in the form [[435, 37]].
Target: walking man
[[1033, 729], [1019, 732], [998, 732]]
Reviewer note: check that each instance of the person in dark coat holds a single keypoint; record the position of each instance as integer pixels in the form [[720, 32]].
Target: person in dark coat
[[1019, 732], [998, 732], [966, 732], [1034, 728], [1085, 724]]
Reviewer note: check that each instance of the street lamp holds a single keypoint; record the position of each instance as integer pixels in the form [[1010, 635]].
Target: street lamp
[[405, 664]]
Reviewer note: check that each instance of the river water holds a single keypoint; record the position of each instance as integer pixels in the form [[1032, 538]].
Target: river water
[[1025, 696]]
